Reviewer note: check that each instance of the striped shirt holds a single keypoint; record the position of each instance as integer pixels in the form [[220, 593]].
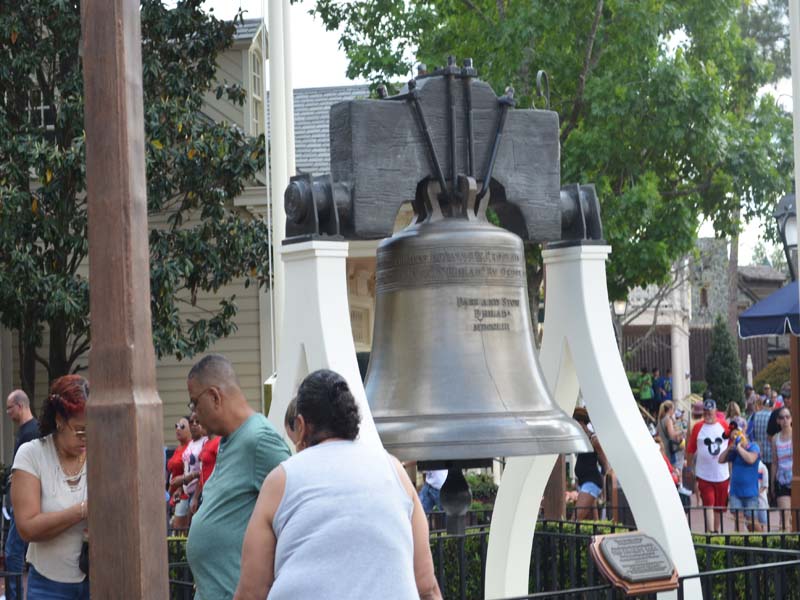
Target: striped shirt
[[757, 430], [784, 459]]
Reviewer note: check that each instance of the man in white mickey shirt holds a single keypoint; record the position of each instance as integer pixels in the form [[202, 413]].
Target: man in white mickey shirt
[[708, 440]]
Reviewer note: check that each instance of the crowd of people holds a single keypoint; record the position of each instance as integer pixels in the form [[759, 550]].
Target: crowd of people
[[654, 388], [261, 522], [734, 460], [249, 504], [737, 460]]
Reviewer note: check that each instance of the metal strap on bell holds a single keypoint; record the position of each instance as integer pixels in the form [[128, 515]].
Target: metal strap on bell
[[453, 375]]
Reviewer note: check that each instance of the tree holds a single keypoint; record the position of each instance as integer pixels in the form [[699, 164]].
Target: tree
[[659, 103], [195, 169], [723, 370], [770, 256]]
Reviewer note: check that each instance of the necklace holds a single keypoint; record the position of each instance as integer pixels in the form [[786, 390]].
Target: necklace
[[77, 472], [62, 459]]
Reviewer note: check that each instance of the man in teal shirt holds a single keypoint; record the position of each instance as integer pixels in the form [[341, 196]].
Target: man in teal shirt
[[249, 449]]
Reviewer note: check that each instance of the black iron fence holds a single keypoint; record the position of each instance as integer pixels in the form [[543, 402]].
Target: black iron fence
[[732, 565], [181, 582], [12, 579]]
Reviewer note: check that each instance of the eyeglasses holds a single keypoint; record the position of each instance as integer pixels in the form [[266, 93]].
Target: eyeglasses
[[79, 433], [193, 401], [784, 417], [194, 422], [180, 425]]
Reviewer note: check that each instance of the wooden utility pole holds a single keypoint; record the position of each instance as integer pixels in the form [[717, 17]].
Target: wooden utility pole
[[128, 548]]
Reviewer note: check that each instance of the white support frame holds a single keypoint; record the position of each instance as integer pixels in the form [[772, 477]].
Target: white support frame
[[579, 351], [316, 327]]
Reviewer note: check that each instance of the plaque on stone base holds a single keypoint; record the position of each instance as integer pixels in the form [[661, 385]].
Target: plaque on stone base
[[634, 562]]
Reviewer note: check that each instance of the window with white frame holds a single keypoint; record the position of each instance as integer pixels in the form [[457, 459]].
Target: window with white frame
[[256, 91], [40, 115]]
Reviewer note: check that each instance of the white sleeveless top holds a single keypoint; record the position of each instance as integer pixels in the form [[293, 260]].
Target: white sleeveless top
[[343, 527]]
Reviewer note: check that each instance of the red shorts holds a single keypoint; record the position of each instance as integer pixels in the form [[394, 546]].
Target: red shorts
[[714, 493]]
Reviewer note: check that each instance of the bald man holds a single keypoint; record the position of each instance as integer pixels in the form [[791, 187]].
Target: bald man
[[249, 449], [18, 408]]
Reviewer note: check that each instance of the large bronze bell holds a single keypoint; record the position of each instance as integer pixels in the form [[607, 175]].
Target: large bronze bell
[[453, 376]]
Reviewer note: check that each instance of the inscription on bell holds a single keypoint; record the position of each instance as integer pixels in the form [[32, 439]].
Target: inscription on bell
[[450, 266], [490, 314]]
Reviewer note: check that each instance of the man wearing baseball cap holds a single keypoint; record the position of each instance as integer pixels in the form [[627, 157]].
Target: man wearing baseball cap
[[709, 438]]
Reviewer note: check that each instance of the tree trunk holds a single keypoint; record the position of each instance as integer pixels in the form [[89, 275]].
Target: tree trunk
[[554, 502], [58, 351], [27, 368], [733, 288]]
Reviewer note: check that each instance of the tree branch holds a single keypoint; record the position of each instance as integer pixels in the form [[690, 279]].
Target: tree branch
[[78, 350], [74, 360], [42, 362], [698, 189], [471, 5], [587, 63], [501, 9], [679, 276]]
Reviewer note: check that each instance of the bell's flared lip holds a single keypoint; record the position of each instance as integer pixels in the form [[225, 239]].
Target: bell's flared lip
[[481, 449]]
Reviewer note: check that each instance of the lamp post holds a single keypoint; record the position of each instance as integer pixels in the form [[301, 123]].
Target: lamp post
[[786, 216], [619, 307]]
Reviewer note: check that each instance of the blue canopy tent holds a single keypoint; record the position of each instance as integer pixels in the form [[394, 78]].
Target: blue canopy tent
[[777, 314]]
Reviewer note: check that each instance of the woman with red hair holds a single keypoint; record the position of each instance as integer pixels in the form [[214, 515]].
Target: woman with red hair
[[49, 494]]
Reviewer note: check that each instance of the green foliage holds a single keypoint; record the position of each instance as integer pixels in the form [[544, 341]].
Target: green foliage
[[195, 168], [767, 22], [723, 370], [698, 387], [770, 256], [776, 373], [483, 488], [658, 101]]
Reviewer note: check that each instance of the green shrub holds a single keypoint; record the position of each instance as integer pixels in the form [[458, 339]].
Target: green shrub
[[775, 374], [698, 387], [483, 487]]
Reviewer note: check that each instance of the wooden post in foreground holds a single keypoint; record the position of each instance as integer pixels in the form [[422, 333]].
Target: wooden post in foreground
[[128, 548]]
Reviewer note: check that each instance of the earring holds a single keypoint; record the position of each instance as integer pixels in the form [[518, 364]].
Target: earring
[[59, 426]]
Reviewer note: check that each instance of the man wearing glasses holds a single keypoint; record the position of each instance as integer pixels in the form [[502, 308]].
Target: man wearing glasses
[[249, 449], [18, 408]]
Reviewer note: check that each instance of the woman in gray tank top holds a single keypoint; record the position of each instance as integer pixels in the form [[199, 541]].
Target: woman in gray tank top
[[338, 520]]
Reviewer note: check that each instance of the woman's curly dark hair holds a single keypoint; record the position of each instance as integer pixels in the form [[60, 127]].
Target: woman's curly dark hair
[[68, 395], [327, 405]]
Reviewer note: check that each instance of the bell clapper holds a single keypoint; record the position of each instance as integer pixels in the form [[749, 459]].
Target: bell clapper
[[455, 498]]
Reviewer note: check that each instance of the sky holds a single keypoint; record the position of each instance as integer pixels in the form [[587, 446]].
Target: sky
[[317, 61]]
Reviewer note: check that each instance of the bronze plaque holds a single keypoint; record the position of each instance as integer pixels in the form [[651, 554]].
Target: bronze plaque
[[636, 557]]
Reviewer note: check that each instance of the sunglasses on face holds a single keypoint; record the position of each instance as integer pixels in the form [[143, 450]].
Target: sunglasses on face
[[180, 425], [194, 422]]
